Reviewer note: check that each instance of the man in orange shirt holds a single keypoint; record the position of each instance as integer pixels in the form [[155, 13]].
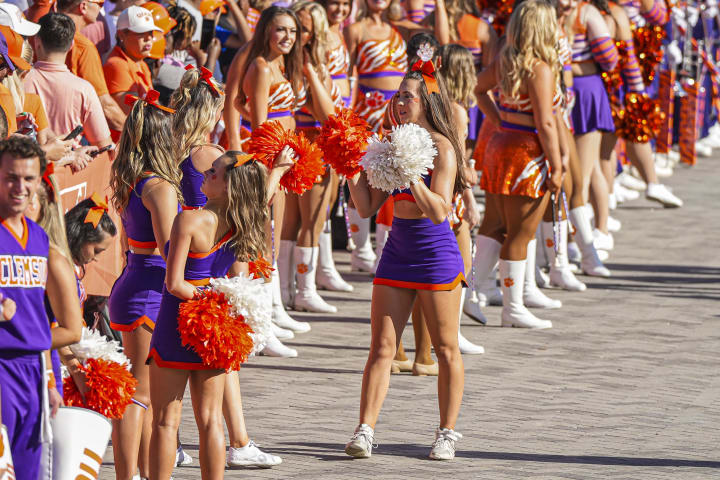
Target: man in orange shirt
[[83, 59], [6, 100]]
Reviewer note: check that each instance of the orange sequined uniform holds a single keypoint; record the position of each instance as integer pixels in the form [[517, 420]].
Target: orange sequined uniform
[[281, 101]]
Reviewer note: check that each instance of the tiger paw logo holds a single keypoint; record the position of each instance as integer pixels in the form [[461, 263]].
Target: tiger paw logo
[[354, 228], [302, 268], [549, 243], [509, 282], [574, 230], [374, 99]]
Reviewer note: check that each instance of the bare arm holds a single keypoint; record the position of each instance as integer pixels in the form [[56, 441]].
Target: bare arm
[[180, 239], [233, 86], [281, 164], [489, 41], [486, 81], [257, 82], [321, 105], [113, 113], [367, 200], [540, 89], [61, 290], [160, 198], [436, 201], [442, 23]]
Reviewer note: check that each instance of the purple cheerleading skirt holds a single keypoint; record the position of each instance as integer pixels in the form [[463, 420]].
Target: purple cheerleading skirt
[[136, 294], [420, 255], [592, 106]]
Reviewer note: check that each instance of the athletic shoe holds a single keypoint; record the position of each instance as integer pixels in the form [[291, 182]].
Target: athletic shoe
[[251, 456], [443, 447], [660, 193], [182, 459], [361, 443]]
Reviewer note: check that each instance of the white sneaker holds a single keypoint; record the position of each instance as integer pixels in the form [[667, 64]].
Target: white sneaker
[[660, 193], [613, 224], [628, 181], [251, 456], [471, 308], [275, 348], [603, 241], [182, 459], [663, 171], [674, 157], [623, 194], [361, 443], [612, 201], [443, 448], [603, 255], [703, 150], [467, 347], [282, 333]]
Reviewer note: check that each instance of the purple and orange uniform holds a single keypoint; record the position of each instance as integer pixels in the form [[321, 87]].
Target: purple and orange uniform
[[419, 254], [136, 294], [23, 339], [339, 65], [192, 179], [377, 59], [166, 348], [281, 103]]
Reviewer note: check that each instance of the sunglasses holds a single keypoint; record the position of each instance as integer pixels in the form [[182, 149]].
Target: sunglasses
[[99, 4]]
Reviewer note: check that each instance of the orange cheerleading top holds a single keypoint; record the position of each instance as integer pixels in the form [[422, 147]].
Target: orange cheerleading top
[[467, 29], [522, 103], [382, 58]]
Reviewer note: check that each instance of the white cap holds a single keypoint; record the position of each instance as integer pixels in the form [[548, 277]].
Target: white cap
[[11, 16], [137, 20]]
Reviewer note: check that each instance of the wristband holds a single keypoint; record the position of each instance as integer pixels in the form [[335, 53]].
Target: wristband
[[51, 379]]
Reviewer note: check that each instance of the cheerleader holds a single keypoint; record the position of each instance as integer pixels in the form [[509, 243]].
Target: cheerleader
[[205, 243], [420, 261], [198, 102], [593, 51], [145, 181], [523, 158], [272, 83], [378, 51]]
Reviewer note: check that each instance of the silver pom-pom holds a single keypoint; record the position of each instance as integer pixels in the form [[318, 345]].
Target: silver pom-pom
[[400, 159], [93, 344]]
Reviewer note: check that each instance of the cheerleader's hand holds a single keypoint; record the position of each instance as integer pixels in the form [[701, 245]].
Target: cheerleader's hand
[[285, 159], [56, 401], [554, 182], [7, 308]]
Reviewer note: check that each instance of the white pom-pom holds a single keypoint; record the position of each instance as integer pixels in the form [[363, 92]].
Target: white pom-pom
[[249, 298], [93, 344], [400, 159]]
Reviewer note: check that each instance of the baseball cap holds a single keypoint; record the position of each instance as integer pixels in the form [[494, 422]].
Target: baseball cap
[[208, 6], [4, 53], [137, 20], [11, 16], [14, 42], [162, 18]]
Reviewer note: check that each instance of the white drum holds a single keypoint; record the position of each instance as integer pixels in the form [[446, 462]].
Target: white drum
[[7, 471], [80, 437]]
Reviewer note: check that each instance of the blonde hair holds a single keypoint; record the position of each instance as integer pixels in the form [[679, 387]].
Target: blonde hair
[[247, 210], [531, 36], [458, 69], [52, 219], [319, 42], [196, 110], [146, 147]]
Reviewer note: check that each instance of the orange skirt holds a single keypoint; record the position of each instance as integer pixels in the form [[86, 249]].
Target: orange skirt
[[514, 163], [487, 129]]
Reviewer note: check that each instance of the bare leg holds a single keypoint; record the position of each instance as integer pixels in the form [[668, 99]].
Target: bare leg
[[313, 205], [206, 391], [423, 344], [233, 411], [588, 150], [608, 160], [389, 312], [168, 387], [600, 199], [641, 156], [127, 431], [522, 216], [291, 217], [492, 223]]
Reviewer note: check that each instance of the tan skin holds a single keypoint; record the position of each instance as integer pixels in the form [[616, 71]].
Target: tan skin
[[19, 180], [391, 306], [137, 46], [262, 73], [196, 231], [337, 13], [521, 215], [131, 433]]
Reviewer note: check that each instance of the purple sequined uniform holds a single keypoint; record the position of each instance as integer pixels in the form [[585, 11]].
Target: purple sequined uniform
[[166, 348], [23, 274], [136, 294], [190, 186]]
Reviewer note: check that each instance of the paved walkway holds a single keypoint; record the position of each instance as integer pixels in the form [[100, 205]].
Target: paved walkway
[[626, 384]]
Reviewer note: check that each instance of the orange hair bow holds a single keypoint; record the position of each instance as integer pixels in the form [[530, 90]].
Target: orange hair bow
[[49, 170], [151, 97], [428, 72], [207, 76], [242, 159], [95, 214]]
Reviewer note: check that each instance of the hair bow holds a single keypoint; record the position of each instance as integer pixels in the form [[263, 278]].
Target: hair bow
[[242, 159], [151, 97], [95, 213], [428, 72], [207, 76], [49, 170]]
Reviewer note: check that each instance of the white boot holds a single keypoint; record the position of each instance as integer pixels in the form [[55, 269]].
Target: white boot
[[590, 263], [327, 276], [307, 298], [287, 274], [560, 273], [282, 333], [279, 315], [362, 259], [487, 252], [275, 348], [466, 346], [514, 313], [532, 296], [471, 308], [381, 235]]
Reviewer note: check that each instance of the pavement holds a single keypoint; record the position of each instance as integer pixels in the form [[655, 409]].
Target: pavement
[[626, 385]]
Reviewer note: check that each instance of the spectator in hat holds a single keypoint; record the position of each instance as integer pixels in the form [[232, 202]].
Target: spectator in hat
[[7, 67], [13, 17], [83, 59]]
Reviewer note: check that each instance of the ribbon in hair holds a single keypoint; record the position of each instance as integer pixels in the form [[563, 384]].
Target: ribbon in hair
[[95, 213], [151, 97], [428, 72], [49, 170], [207, 76], [242, 159]]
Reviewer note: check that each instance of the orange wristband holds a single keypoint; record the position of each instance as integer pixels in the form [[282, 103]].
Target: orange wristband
[[51, 379]]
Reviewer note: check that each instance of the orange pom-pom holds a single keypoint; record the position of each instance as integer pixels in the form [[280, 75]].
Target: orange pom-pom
[[260, 268], [206, 324], [648, 42], [268, 140], [641, 119], [343, 140], [110, 388]]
